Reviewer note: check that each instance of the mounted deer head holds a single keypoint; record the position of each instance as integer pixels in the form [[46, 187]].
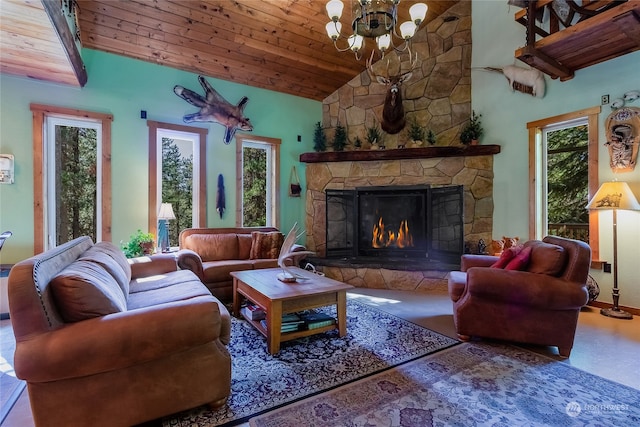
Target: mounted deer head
[[393, 119]]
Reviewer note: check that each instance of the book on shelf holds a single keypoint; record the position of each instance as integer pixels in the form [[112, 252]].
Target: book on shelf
[[315, 320], [253, 312], [286, 327]]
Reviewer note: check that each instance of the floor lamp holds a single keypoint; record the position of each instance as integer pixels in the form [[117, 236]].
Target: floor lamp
[[613, 196], [164, 215]]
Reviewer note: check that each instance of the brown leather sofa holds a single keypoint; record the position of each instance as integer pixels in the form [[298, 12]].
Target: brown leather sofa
[[539, 305], [103, 341], [213, 253]]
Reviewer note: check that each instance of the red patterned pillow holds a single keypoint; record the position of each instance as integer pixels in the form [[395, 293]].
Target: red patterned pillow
[[520, 261], [265, 245], [506, 256]]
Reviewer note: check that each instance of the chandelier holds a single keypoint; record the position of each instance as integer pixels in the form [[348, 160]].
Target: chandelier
[[375, 19]]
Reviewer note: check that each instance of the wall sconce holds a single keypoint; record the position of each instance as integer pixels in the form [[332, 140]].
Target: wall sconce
[[6, 168], [165, 214]]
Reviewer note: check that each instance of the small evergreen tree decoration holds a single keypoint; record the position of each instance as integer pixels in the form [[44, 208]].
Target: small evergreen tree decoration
[[373, 135], [473, 130], [339, 138], [357, 143], [319, 139], [416, 133], [431, 137]]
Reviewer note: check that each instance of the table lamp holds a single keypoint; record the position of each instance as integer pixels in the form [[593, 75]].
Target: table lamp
[[164, 215], [613, 196]]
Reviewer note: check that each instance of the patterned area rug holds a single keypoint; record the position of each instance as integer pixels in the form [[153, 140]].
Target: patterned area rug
[[473, 384], [260, 382]]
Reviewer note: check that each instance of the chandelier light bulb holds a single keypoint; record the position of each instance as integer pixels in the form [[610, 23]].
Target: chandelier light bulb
[[355, 42], [383, 42], [407, 30], [374, 19], [418, 12], [333, 30], [334, 9]]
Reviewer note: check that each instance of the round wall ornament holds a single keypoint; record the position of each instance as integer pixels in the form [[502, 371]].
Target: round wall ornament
[[623, 138]]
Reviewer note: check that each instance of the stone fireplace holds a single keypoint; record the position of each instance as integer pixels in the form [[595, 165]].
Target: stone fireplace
[[335, 179]]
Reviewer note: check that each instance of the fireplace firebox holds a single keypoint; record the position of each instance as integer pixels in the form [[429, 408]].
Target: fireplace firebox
[[395, 223]]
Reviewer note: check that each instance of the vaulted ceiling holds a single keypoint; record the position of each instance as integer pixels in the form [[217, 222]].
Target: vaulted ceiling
[[279, 45]]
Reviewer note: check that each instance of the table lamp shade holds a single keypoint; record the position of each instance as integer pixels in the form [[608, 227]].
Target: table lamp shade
[[614, 195], [166, 212]]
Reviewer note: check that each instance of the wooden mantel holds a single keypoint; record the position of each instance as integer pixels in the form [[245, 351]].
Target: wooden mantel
[[400, 153]]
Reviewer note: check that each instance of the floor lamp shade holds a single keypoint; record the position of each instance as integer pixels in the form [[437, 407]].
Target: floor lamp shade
[[164, 215], [613, 196]]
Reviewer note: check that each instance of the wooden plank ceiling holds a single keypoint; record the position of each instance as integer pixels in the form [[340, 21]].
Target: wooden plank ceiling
[[30, 46], [279, 45]]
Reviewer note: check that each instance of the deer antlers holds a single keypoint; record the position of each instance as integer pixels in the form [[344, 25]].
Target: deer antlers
[[386, 79]]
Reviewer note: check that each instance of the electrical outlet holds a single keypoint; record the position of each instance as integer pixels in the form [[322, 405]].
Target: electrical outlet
[[607, 267], [604, 100]]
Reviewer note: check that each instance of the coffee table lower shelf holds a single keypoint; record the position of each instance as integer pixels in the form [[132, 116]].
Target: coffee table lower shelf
[[287, 336]]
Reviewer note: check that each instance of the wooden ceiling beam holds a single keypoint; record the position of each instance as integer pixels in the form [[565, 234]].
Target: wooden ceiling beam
[[66, 36]]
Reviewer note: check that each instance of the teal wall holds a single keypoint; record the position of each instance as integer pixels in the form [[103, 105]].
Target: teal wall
[[122, 87], [505, 114]]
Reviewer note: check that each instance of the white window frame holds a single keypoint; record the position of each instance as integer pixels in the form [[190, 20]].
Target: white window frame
[[272, 147], [51, 198], [155, 170], [194, 138]]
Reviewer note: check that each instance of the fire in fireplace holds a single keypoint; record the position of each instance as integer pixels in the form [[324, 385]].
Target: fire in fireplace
[[395, 222], [382, 238]]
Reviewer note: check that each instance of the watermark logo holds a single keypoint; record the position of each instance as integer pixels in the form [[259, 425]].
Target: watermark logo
[[573, 409]]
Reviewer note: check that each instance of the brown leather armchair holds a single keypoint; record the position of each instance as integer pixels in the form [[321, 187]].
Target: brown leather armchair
[[539, 305]]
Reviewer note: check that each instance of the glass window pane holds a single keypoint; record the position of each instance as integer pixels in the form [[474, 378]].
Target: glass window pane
[[254, 186]]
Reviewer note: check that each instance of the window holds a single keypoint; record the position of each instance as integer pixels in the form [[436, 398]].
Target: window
[[177, 171], [72, 152], [567, 175], [563, 176], [258, 169]]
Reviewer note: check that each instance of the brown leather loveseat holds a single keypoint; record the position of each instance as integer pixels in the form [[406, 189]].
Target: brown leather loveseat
[[538, 304], [213, 253], [103, 341]]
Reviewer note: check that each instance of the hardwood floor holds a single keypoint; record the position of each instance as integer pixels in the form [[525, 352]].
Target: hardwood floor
[[603, 346]]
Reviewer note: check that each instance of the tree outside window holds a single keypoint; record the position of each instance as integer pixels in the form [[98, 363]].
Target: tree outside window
[[567, 182], [177, 184]]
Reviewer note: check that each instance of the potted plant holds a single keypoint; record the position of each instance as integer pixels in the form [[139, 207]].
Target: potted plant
[[472, 132], [374, 137], [416, 133], [339, 138], [139, 244]]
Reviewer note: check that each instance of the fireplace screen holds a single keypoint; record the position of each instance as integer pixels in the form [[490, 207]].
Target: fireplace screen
[[395, 222]]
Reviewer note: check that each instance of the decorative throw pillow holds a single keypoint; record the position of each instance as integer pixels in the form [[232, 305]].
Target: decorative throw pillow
[[266, 245], [84, 290], [504, 259], [520, 261]]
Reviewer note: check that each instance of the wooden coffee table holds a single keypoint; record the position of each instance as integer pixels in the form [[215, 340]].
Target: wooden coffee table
[[263, 288]]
